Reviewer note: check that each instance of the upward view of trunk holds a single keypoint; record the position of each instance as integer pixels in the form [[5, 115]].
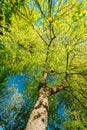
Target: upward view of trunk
[[39, 116]]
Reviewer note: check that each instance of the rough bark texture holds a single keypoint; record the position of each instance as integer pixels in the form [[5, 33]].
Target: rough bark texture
[[39, 116]]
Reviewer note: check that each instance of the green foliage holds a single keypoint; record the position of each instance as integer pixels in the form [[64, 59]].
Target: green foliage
[[43, 39]]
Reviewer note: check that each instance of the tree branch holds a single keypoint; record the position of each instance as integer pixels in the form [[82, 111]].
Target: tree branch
[[26, 18], [81, 103], [23, 47], [53, 72], [39, 34], [36, 1], [56, 89]]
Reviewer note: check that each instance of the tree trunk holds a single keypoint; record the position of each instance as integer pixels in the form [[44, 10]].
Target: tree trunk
[[39, 116]]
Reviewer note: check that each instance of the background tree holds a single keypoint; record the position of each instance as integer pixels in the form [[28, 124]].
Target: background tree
[[48, 40]]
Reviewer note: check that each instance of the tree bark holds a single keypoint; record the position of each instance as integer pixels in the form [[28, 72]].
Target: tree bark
[[39, 116]]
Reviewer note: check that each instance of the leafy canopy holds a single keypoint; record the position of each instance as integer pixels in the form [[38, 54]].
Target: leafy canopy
[[49, 36]]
